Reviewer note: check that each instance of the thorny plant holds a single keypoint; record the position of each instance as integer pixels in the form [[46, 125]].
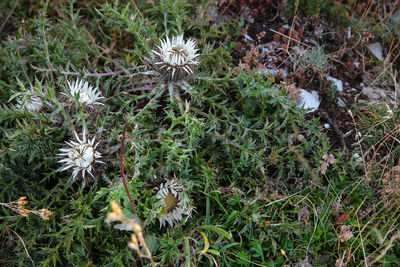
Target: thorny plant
[[249, 153]]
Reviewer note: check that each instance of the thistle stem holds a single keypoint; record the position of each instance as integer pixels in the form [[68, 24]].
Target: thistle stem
[[108, 73], [121, 162], [143, 88], [85, 74], [178, 97]]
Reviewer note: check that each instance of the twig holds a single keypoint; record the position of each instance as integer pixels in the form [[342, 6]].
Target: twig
[[196, 110], [23, 243], [9, 15], [85, 74], [107, 73], [389, 246], [226, 8], [137, 9], [290, 38], [121, 162], [177, 97], [143, 88]]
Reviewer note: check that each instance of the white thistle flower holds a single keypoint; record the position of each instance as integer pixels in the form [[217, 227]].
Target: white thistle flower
[[31, 103], [88, 95], [176, 55], [172, 204], [81, 155]]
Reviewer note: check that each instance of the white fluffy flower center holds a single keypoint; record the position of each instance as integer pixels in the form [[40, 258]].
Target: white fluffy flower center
[[82, 155]]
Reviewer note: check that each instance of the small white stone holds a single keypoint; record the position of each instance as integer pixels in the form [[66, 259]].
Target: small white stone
[[308, 100], [353, 89], [248, 38], [337, 82], [377, 50], [362, 84], [327, 126], [341, 103], [357, 157]]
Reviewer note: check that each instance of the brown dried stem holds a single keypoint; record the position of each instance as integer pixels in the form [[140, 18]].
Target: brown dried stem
[[121, 161]]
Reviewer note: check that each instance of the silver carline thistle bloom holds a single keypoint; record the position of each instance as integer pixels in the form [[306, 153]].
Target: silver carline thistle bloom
[[88, 95], [31, 103], [176, 55], [81, 155], [170, 199]]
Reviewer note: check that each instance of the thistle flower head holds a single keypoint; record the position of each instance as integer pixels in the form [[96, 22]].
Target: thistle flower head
[[177, 57], [171, 202], [81, 155], [88, 95], [32, 102]]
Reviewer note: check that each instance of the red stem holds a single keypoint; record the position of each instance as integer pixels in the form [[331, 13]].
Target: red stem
[[121, 163]]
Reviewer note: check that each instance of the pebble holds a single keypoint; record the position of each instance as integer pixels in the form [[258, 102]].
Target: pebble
[[248, 38], [377, 50], [341, 103], [357, 157], [327, 126], [308, 100]]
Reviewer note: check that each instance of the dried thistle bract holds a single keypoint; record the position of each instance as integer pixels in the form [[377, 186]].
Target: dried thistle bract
[[81, 155], [176, 58], [88, 95], [173, 203], [32, 102]]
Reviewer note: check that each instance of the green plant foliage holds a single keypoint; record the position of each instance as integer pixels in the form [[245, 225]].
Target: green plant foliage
[[316, 8], [248, 159]]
